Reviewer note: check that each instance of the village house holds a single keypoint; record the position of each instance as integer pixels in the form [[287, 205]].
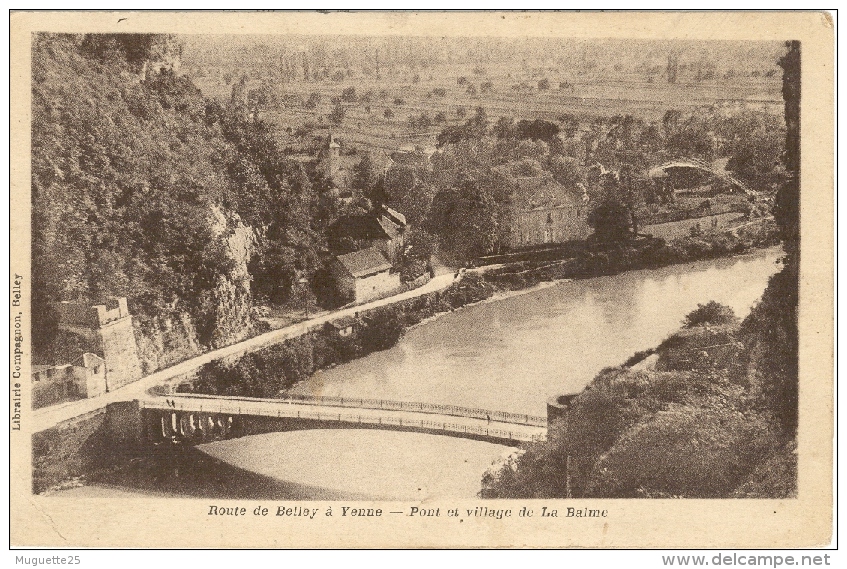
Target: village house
[[85, 377], [364, 275], [383, 229], [344, 326], [543, 211]]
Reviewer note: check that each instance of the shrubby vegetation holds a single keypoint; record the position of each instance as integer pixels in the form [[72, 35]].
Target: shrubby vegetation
[[268, 372], [688, 427], [143, 188], [715, 416], [480, 165], [381, 328], [710, 313]]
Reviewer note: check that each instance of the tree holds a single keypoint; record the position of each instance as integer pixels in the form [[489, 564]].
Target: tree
[[673, 67], [754, 142], [465, 219], [349, 95], [382, 330], [526, 168], [610, 221], [365, 173], [420, 123], [419, 248], [238, 96], [451, 135], [486, 87], [692, 138], [504, 128], [388, 113], [134, 50], [570, 125], [670, 121], [477, 125], [337, 114], [537, 129], [566, 170], [544, 85], [313, 100], [712, 313]]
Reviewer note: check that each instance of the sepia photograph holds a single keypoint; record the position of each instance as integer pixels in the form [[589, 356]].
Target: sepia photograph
[[390, 270]]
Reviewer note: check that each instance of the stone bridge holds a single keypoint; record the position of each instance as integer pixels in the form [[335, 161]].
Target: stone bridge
[[194, 419]]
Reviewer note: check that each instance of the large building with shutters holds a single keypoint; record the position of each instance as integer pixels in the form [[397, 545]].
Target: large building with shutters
[[543, 211]]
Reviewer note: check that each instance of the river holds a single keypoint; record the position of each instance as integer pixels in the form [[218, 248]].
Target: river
[[513, 353], [508, 354]]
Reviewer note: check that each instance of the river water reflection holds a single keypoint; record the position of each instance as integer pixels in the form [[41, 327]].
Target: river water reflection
[[512, 354]]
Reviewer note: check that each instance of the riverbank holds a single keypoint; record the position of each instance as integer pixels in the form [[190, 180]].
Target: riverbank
[[509, 352], [705, 414], [272, 370], [649, 253]]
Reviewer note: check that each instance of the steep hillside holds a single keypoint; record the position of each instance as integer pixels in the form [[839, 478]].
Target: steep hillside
[[141, 188]]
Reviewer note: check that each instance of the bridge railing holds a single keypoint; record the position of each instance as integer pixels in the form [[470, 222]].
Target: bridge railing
[[389, 405], [253, 407], [417, 407]]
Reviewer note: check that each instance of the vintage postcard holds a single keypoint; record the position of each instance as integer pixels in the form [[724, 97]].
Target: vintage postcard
[[441, 279]]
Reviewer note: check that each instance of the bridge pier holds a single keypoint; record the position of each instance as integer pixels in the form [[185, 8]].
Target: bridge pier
[[185, 426]]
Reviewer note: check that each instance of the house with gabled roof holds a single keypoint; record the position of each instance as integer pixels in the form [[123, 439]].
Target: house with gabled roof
[[382, 229], [364, 275]]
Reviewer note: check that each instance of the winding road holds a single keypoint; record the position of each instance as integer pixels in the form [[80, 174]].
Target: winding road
[[48, 417]]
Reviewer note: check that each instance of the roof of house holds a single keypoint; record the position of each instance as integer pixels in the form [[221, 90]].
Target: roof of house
[[387, 225], [365, 262], [395, 215], [358, 227], [533, 192]]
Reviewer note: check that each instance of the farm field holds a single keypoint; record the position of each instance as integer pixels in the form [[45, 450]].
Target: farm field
[[366, 125]]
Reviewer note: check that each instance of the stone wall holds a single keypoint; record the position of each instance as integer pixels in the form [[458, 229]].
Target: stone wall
[[84, 445], [117, 341], [53, 385], [70, 449], [109, 328], [377, 286]]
